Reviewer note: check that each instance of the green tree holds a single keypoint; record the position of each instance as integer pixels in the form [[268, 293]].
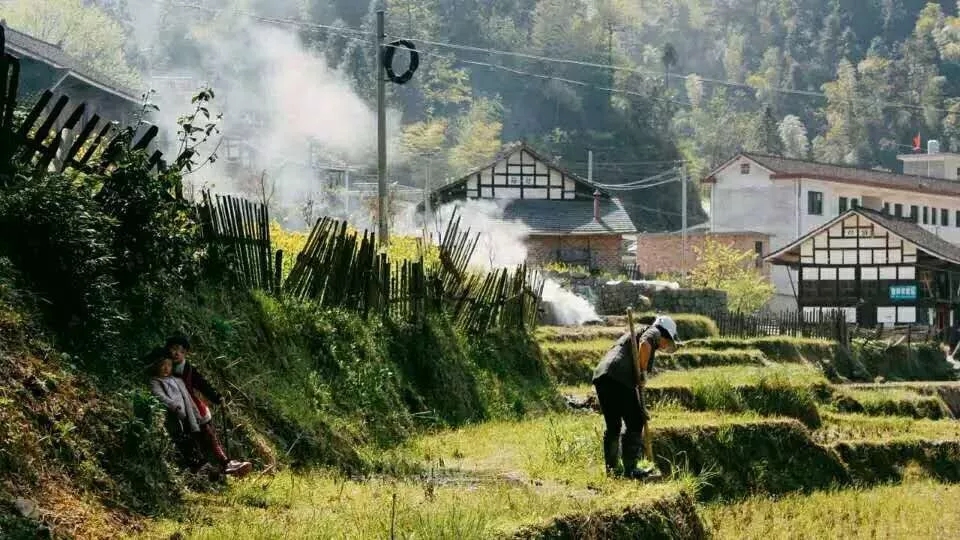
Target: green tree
[[87, 33], [793, 135], [477, 135], [725, 268]]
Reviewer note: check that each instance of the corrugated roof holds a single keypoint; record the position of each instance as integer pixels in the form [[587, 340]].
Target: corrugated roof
[[785, 167], [545, 216], [51, 54], [902, 227]]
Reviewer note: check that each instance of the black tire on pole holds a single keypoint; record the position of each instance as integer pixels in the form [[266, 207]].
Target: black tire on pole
[[388, 54]]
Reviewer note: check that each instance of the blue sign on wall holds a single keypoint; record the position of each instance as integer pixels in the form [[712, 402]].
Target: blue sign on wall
[[903, 292]]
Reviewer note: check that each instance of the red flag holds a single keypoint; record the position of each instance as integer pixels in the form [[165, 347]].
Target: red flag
[[916, 143]]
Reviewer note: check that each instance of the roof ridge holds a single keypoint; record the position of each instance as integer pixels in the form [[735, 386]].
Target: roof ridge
[[754, 155]]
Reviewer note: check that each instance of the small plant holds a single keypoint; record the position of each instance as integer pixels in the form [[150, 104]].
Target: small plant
[[196, 129]]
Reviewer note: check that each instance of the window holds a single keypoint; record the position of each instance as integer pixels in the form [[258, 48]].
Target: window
[[933, 216], [957, 219], [944, 217], [914, 212], [886, 208], [926, 215], [854, 203], [843, 204], [898, 210], [744, 168], [758, 248], [815, 203]]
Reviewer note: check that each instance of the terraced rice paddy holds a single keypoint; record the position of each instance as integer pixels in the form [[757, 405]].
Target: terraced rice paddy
[[754, 440]]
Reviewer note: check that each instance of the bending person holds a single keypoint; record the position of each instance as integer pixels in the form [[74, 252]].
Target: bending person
[[619, 380]]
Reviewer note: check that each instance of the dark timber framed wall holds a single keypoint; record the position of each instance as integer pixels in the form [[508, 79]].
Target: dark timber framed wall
[[875, 276], [521, 175], [852, 266]]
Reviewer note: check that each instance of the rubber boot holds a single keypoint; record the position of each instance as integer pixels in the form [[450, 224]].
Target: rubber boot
[[632, 446], [611, 453]]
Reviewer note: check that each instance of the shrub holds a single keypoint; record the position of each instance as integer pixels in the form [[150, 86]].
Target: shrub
[[916, 362], [689, 326]]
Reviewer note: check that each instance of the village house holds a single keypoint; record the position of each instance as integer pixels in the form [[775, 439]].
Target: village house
[[787, 198], [876, 268], [45, 66], [567, 219]]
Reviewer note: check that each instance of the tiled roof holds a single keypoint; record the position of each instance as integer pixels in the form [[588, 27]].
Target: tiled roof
[[785, 167], [53, 55], [545, 216], [902, 227], [910, 231]]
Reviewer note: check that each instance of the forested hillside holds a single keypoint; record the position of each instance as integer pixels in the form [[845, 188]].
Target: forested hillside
[[846, 81]]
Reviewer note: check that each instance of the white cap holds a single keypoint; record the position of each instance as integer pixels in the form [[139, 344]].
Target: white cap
[[666, 323]]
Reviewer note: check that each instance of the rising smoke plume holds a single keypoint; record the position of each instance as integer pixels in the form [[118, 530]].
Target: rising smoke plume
[[502, 244], [303, 111]]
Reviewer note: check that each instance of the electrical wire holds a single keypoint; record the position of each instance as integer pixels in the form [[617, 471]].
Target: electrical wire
[[565, 61], [615, 187]]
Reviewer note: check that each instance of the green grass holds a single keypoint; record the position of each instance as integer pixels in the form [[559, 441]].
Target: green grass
[[917, 509], [794, 375], [557, 447], [890, 402], [325, 506], [572, 362], [859, 427]]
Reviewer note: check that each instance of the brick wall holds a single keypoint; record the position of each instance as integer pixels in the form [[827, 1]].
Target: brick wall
[[661, 253], [604, 250]]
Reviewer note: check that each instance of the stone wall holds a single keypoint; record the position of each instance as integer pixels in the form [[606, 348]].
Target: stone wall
[[615, 298], [699, 301], [601, 252], [663, 254]]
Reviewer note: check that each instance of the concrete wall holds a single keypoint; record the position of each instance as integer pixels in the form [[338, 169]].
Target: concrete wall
[[663, 253], [604, 250]]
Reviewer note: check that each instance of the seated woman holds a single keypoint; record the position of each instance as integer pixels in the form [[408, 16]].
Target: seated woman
[[184, 416]]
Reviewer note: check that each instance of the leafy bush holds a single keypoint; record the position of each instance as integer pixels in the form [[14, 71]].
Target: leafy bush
[[725, 268], [916, 362], [689, 326], [63, 246]]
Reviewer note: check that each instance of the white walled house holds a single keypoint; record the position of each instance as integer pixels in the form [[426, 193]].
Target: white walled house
[[787, 198]]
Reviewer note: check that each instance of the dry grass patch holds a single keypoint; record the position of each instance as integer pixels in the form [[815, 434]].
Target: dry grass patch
[[327, 506], [864, 428], [918, 509]]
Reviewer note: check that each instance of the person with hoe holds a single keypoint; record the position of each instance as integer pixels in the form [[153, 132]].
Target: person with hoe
[[619, 379]]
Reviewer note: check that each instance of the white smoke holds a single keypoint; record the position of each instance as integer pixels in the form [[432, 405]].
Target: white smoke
[[305, 111], [502, 244]]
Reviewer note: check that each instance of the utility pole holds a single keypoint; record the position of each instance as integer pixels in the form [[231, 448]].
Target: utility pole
[[590, 165], [346, 187], [382, 232], [683, 219]]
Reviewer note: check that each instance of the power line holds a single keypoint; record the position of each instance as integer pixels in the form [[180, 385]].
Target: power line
[[582, 84], [272, 20], [623, 187], [732, 84], [640, 71]]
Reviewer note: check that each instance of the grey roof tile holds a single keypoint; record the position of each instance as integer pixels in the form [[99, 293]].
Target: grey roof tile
[[56, 57], [854, 175], [569, 217]]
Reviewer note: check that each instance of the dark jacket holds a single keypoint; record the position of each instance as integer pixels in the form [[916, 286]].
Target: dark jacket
[[619, 365], [195, 381]]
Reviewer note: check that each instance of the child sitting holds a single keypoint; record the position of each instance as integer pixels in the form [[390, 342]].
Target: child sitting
[[173, 393]]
